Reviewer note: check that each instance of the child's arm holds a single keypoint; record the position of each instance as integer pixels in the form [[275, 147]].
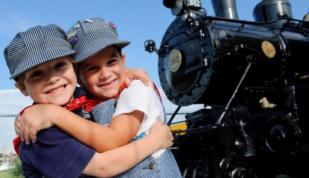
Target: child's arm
[[137, 74], [120, 131], [99, 137], [118, 160]]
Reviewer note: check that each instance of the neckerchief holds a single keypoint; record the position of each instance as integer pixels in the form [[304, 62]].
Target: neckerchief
[[82, 103]]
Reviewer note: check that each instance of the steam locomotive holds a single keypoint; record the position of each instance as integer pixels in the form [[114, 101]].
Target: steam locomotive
[[253, 79]]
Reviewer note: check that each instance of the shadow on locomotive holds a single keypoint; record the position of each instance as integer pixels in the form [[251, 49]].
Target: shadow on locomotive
[[253, 79]]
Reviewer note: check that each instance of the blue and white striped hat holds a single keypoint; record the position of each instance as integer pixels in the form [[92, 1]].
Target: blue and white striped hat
[[35, 46], [90, 36]]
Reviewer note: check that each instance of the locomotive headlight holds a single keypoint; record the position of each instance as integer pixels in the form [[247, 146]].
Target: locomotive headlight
[[178, 6], [175, 5], [174, 60]]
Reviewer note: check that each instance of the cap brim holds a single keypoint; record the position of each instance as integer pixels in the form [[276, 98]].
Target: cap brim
[[88, 48], [31, 61]]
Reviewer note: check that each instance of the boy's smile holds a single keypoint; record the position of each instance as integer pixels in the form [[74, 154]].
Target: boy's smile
[[102, 74], [108, 84], [50, 83], [56, 89]]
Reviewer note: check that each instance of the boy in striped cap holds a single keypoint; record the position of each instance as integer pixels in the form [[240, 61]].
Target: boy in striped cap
[[39, 59], [101, 66]]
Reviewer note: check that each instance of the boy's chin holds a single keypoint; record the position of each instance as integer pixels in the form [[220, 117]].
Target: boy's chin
[[61, 101], [102, 94]]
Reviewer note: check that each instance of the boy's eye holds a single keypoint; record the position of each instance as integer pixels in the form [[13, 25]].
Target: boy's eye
[[36, 75], [112, 61], [60, 65], [91, 69]]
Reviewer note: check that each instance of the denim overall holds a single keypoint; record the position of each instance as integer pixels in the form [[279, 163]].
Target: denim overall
[[164, 166]]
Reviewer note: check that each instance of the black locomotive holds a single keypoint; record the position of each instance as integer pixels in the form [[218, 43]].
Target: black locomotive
[[252, 77]]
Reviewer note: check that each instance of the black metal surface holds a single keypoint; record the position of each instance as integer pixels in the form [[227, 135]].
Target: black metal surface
[[255, 77], [271, 10]]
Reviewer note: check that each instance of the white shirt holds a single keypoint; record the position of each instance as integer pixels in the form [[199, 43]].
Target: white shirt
[[139, 97]]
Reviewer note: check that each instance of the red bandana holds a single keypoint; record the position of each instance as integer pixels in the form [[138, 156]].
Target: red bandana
[[82, 103]]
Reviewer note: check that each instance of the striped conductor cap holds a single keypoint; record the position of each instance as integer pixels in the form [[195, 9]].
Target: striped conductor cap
[[35, 46], [90, 36]]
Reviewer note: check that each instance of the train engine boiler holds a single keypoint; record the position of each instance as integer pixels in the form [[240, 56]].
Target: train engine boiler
[[253, 79]]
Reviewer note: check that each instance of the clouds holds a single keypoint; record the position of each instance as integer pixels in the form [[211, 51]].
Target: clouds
[[12, 101]]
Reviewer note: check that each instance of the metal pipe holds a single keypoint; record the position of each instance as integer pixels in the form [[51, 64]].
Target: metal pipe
[[225, 8], [271, 10]]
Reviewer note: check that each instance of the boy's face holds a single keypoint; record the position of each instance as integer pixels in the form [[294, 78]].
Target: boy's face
[[50, 83], [102, 74]]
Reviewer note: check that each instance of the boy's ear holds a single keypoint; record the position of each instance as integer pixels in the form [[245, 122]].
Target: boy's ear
[[123, 58], [78, 75], [80, 82], [21, 87], [80, 79]]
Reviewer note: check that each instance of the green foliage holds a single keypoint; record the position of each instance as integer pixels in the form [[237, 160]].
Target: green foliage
[[16, 170], [8, 174]]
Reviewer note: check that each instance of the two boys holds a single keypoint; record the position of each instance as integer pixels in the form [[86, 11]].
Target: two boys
[[39, 60]]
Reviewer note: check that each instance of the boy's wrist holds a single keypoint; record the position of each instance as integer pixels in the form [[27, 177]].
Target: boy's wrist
[[154, 141], [57, 114]]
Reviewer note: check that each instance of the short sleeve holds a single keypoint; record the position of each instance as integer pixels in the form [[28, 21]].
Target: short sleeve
[[139, 97], [135, 97], [55, 154]]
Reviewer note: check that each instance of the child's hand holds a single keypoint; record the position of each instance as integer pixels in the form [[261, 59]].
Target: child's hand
[[17, 125], [32, 120], [137, 74], [162, 135]]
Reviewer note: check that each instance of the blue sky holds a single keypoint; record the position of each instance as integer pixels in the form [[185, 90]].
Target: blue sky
[[136, 21]]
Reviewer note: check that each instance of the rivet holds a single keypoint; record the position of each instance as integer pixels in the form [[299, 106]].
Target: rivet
[[151, 166]]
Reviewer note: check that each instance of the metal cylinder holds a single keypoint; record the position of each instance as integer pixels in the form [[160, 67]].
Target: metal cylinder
[[306, 17], [225, 8], [271, 10]]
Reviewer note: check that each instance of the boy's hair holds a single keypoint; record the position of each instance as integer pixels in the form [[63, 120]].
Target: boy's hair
[[35, 46], [90, 36], [19, 82]]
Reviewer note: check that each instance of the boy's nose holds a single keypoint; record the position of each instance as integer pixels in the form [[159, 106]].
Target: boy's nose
[[52, 78], [103, 73]]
